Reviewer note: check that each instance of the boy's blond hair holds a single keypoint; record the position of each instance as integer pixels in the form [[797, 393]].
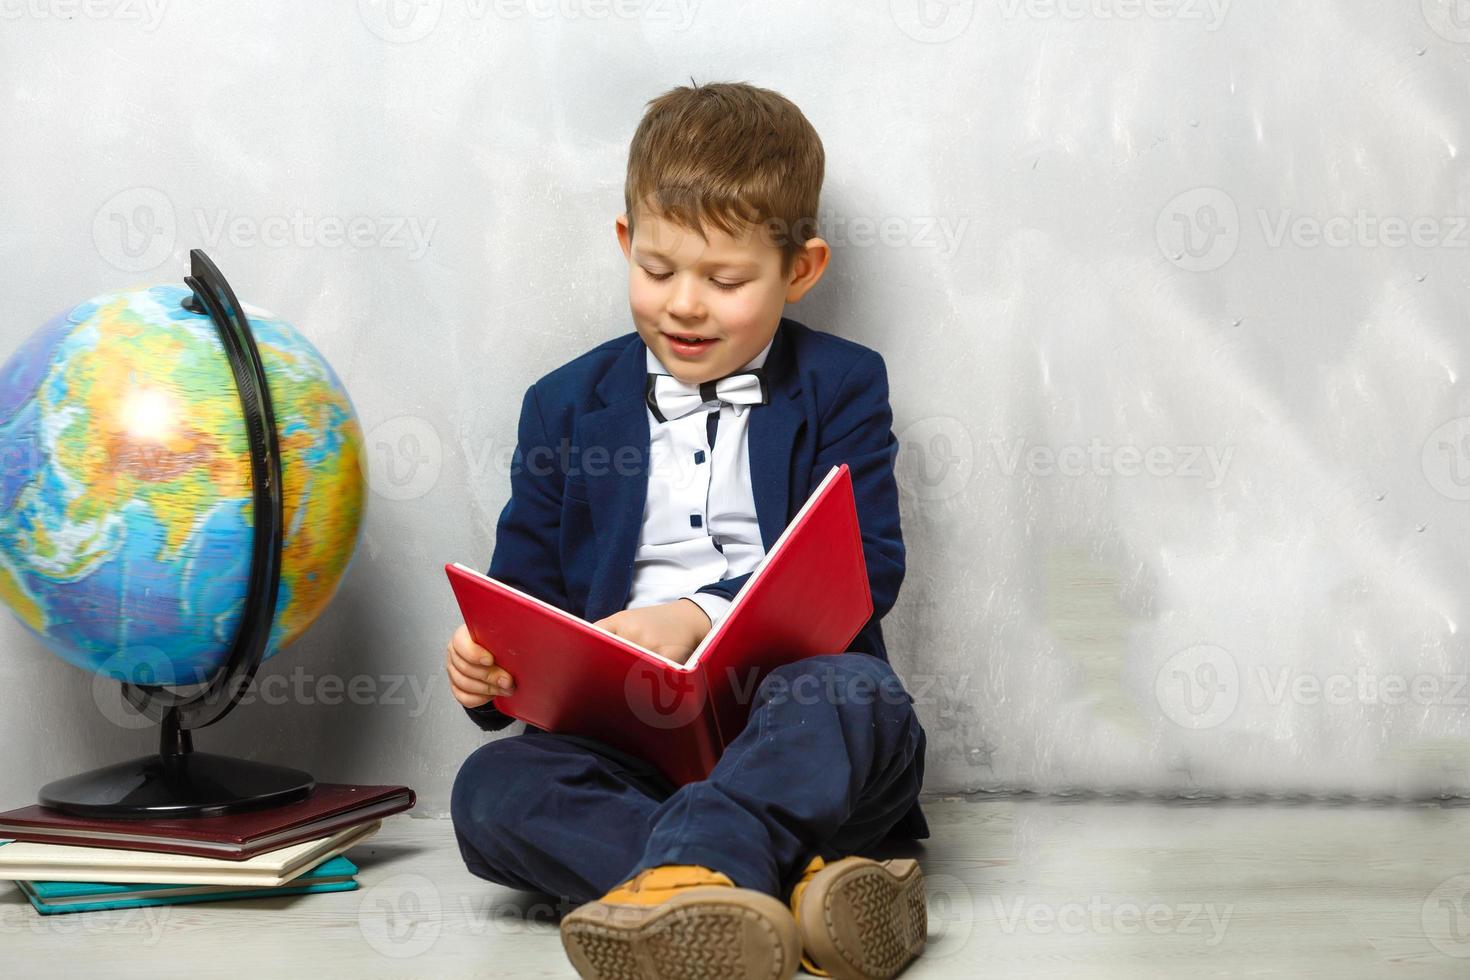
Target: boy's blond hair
[[728, 155]]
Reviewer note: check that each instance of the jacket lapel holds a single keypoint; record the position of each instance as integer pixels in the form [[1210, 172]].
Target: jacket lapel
[[617, 486], [770, 437]]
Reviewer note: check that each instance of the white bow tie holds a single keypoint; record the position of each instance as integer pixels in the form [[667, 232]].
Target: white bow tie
[[669, 398]]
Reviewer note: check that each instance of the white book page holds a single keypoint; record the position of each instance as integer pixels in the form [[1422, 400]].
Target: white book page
[[624, 641]]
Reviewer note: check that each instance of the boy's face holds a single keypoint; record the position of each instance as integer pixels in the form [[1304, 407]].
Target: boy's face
[[727, 290]]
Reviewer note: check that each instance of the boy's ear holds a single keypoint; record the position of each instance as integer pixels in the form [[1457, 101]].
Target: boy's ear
[[624, 239], [807, 268]]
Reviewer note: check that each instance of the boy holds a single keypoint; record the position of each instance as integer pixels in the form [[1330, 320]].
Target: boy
[[651, 474]]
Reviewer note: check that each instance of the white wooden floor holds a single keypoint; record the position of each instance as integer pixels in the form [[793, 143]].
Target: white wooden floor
[[1017, 888]]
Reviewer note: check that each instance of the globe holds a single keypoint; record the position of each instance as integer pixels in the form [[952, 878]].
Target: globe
[[126, 512]]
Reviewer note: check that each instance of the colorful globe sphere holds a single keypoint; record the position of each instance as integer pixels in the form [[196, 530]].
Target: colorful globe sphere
[[126, 499]]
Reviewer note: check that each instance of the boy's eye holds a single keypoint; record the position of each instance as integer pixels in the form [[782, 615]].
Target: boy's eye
[[726, 286]]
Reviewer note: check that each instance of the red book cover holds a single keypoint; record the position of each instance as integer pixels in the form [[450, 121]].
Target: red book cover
[[808, 596], [231, 837]]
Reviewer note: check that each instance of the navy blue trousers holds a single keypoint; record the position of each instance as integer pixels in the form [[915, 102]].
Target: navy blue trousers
[[831, 758]]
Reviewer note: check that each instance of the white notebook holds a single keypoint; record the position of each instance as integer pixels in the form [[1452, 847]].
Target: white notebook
[[26, 860]]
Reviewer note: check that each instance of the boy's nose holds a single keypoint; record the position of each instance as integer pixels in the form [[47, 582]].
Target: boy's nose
[[684, 301]]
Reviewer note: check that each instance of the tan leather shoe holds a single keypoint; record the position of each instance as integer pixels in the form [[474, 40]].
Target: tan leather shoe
[[682, 922], [860, 919]]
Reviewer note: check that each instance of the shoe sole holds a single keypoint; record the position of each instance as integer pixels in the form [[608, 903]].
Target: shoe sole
[[702, 934], [867, 920]]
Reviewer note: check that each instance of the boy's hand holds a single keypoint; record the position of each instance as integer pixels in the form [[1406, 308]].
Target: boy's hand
[[670, 629], [473, 676]]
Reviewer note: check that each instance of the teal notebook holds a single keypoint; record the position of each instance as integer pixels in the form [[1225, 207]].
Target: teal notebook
[[336, 874]]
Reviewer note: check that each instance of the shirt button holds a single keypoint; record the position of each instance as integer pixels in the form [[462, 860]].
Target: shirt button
[[699, 455], [695, 520]]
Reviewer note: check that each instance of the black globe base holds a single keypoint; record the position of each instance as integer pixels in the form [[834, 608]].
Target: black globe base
[[198, 784], [177, 782]]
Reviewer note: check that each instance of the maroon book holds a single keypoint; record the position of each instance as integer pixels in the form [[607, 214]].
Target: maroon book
[[232, 837]]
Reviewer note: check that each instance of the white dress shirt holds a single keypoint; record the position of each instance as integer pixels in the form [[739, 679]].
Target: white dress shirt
[[699, 522]]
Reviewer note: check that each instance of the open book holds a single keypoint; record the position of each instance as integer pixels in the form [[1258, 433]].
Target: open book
[[808, 596]]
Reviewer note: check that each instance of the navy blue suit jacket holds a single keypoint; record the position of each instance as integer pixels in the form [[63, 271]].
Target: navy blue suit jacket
[[569, 533]]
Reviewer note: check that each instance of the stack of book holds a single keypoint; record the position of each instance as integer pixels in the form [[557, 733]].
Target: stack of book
[[64, 863]]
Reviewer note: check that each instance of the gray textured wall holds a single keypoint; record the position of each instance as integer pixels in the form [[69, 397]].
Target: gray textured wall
[[1172, 296]]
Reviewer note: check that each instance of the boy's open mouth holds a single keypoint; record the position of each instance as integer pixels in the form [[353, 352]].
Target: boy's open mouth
[[687, 343]]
